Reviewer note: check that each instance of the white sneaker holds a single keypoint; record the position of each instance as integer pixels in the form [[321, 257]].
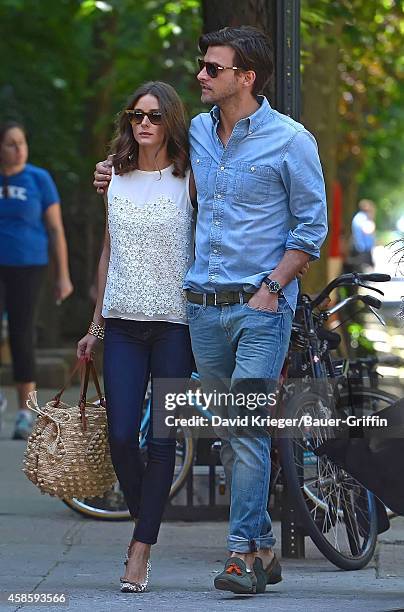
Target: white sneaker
[[23, 426]]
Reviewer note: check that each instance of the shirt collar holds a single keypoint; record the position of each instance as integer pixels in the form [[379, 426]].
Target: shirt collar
[[254, 120]]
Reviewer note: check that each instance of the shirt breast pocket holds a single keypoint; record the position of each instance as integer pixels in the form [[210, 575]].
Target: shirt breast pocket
[[201, 167], [253, 182]]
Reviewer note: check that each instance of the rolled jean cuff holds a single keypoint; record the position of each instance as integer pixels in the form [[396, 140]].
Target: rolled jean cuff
[[242, 545]]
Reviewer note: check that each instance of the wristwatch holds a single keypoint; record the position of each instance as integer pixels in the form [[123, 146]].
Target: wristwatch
[[272, 285]]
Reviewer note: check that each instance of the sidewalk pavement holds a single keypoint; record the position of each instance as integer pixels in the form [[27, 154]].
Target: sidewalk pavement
[[45, 547]]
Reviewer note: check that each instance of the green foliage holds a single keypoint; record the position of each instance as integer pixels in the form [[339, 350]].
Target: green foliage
[[54, 68], [362, 346], [369, 90], [66, 71]]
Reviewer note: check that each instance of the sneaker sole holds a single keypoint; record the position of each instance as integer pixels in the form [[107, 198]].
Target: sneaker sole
[[223, 584]]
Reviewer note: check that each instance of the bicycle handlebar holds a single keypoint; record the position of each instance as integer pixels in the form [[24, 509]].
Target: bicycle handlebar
[[349, 280], [375, 277], [370, 300]]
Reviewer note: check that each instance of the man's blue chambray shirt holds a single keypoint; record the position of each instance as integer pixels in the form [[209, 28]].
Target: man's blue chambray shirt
[[260, 195]]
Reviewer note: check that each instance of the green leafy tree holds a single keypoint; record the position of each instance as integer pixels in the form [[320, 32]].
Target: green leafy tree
[[352, 70], [66, 72]]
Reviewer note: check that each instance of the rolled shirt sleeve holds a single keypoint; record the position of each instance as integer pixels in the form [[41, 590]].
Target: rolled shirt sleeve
[[303, 179]]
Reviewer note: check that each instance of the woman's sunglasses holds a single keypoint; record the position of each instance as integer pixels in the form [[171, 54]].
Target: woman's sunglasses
[[212, 69], [137, 116]]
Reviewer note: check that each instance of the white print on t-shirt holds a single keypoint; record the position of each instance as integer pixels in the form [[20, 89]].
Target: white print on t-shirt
[[17, 193]]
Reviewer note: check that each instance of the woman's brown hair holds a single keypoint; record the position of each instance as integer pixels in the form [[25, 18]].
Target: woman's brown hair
[[174, 122]]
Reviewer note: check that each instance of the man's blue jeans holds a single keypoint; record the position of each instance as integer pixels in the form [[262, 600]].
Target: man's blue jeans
[[232, 343]]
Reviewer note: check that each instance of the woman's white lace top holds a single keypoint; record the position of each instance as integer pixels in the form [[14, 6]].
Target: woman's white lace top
[[150, 226]]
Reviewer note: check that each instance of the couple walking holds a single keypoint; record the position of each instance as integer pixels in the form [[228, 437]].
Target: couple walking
[[255, 184]]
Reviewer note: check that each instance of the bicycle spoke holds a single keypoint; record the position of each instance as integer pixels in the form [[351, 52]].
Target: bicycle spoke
[[351, 524]]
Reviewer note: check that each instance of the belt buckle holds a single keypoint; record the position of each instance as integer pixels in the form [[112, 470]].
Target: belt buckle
[[220, 303]]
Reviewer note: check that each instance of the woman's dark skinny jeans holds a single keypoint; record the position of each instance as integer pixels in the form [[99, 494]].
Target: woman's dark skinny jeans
[[132, 351]]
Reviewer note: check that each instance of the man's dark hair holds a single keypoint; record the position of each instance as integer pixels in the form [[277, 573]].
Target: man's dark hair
[[251, 47]]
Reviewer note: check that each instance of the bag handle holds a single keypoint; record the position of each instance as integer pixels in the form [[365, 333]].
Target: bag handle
[[89, 369], [85, 378], [67, 384]]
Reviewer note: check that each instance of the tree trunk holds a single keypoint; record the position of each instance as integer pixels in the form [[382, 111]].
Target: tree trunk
[[96, 135], [259, 13], [320, 116], [218, 14]]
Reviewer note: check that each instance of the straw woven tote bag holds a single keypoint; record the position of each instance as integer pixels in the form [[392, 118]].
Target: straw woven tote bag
[[67, 453]]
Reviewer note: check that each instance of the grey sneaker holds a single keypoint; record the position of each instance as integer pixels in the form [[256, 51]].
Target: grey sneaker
[[23, 427], [3, 408], [272, 573], [236, 578]]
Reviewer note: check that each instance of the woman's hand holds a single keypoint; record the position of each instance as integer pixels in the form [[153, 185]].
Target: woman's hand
[[63, 288], [86, 347]]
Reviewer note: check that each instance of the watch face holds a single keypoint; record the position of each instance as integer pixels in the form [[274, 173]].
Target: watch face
[[273, 286]]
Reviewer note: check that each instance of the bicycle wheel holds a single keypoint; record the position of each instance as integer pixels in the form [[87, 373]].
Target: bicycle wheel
[[369, 401], [112, 506], [337, 512]]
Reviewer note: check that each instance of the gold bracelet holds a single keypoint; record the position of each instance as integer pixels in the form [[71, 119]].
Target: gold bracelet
[[96, 330]]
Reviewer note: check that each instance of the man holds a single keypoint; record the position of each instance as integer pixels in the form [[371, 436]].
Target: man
[[261, 218], [363, 235]]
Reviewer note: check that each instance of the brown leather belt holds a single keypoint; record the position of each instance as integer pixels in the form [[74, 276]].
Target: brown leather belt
[[218, 299]]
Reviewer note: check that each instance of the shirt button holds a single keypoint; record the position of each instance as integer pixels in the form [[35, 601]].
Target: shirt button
[[252, 168], [221, 167], [197, 161], [216, 222], [218, 196], [215, 250]]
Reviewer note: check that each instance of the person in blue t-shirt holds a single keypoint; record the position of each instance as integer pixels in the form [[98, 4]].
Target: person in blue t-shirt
[[363, 235], [30, 222]]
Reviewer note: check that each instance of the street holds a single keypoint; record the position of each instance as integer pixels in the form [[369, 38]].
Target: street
[[47, 548]]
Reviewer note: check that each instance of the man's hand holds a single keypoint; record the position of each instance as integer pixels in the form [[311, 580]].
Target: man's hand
[[103, 174], [303, 270], [264, 300]]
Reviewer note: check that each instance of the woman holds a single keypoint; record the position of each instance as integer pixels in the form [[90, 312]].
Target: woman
[[30, 218], [147, 251]]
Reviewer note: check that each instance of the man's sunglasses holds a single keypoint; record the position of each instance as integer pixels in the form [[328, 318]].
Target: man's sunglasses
[[137, 116], [212, 69]]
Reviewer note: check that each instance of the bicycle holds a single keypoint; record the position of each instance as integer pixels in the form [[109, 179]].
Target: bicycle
[[338, 514]]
